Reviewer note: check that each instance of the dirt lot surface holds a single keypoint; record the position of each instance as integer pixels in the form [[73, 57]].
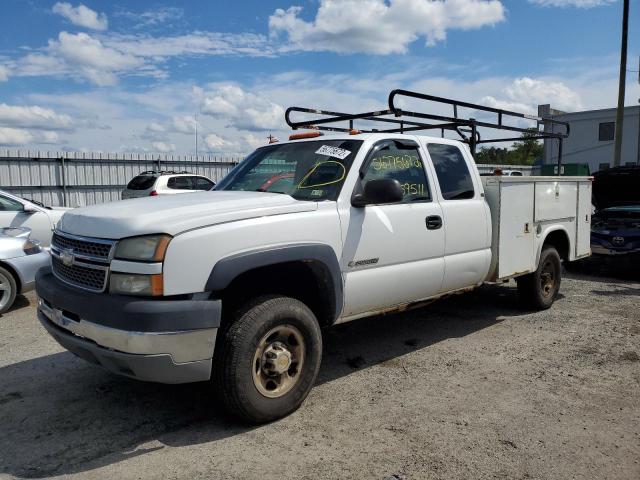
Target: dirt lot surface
[[471, 387]]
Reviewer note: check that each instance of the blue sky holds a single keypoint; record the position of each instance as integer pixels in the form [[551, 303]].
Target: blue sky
[[131, 76]]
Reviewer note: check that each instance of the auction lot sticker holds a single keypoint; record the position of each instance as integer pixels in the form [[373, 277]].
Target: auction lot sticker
[[335, 152]]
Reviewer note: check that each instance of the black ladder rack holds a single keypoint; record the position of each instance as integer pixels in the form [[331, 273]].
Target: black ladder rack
[[405, 121]]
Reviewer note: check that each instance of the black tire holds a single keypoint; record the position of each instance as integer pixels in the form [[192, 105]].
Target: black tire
[[8, 290], [539, 289], [236, 373]]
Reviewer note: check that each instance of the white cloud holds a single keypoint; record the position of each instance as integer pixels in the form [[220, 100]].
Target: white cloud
[[103, 60], [587, 83], [33, 117], [20, 137], [573, 3], [153, 17], [80, 55], [155, 127], [14, 136], [381, 27], [244, 110], [216, 143], [163, 147], [254, 141], [81, 16], [195, 43], [184, 124], [99, 63], [525, 94], [4, 73]]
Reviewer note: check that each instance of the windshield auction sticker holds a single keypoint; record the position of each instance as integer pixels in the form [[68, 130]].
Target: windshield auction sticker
[[335, 152]]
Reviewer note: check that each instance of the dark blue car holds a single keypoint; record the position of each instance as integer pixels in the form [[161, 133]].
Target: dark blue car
[[615, 226]]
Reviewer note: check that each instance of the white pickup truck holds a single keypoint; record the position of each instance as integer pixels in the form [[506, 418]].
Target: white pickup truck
[[235, 285]]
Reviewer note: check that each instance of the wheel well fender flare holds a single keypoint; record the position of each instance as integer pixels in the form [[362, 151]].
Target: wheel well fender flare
[[545, 236], [229, 268]]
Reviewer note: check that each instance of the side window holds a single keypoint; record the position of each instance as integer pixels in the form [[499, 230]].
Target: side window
[[9, 205], [180, 183], [203, 184], [400, 161], [452, 171]]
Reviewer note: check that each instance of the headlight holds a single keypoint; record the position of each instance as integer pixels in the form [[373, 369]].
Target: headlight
[[150, 248], [31, 247], [134, 284]]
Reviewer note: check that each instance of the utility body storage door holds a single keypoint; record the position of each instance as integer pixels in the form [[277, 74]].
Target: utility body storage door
[[524, 210], [393, 253]]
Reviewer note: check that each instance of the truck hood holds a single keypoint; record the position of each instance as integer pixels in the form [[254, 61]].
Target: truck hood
[[616, 187], [174, 214]]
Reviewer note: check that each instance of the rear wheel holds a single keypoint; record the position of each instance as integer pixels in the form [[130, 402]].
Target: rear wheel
[[540, 288], [8, 290], [268, 358]]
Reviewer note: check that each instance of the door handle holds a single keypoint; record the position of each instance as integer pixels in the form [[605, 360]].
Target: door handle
[[434, 222]]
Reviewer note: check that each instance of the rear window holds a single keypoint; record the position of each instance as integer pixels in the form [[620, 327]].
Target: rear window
[[203, 184], [452, 171], [141, 182]]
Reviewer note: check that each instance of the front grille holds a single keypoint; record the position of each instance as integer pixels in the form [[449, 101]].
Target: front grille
[[95, 249], [79, 275]]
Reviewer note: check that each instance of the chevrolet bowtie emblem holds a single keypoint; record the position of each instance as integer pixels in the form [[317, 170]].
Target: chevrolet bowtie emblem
[[67, 257]]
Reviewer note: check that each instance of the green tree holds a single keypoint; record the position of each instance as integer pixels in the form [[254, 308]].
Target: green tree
[[523, 152]]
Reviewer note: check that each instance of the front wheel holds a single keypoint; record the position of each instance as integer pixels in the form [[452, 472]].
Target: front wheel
[[267, 360], [540, 288], [8, 290]]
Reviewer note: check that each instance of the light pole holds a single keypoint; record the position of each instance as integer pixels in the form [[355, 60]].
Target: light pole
[[196, 133], [621, 86]]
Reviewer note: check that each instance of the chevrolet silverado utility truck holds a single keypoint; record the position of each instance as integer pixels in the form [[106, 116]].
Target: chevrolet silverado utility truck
[[236, 285]]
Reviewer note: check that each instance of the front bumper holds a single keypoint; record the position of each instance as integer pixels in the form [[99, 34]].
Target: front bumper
[[165, 341]]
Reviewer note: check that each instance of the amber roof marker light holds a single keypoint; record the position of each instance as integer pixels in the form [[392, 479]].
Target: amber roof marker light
[[300, 136]]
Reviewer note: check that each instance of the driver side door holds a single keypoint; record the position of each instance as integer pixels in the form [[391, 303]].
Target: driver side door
[[394, 253]]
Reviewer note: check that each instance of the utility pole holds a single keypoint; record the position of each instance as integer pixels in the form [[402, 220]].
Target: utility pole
[[621, 86], [638, 160]]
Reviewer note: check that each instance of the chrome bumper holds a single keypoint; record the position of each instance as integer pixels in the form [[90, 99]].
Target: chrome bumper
[[158, 368], [182, 346]]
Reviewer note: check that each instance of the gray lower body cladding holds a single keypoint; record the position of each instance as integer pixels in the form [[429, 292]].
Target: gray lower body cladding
[[166, 341]]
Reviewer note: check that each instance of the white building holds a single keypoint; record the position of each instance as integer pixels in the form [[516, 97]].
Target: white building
[[592, 137]]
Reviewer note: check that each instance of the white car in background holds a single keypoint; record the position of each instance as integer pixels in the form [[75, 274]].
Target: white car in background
[[152, 183], [512, 173], [17, 212]]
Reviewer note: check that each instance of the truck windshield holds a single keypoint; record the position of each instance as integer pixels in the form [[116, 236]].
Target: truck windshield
[[306, 171]]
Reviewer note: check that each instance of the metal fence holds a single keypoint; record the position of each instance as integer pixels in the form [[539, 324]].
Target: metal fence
[[75, 178]]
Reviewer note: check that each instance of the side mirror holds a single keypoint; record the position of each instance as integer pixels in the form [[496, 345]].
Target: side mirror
[[29, 209], [382, 190]]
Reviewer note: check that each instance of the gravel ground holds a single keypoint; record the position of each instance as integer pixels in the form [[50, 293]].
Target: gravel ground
[[471, 387]]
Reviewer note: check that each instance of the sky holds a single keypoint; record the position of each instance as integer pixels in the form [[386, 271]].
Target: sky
[[142, 76]]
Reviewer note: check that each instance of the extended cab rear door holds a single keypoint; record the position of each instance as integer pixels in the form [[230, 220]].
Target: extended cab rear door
[[393, 253], [466, 216]]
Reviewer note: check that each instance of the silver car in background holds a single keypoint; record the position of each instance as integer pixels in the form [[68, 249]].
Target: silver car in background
[[40, 219], [20, 259]]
